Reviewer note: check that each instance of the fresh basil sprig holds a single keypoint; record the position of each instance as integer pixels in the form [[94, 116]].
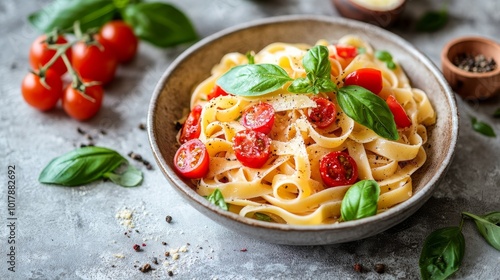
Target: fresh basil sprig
[[360, 200], [217, 198], [442, 253], [159, 23], [368, 109], [489, 227], [86, 165], [482, 127], [386, 57]]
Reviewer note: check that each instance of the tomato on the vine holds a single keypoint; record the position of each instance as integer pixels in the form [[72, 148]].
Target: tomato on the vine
[[324, 114], [82, 105], [252, 148], [94, 61], [369, 78], [259, 117], [191, 128], [346, 51], [216, 92], [338, 169], [40, 54], [400, 117], [192, 159], [120, 36], [43, 97]]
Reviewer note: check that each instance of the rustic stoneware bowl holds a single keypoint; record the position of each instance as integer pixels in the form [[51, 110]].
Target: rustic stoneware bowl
[[381, 16], [467, 84], [172, 94]]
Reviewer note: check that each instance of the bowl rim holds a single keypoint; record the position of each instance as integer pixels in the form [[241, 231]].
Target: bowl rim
[[420, 197]]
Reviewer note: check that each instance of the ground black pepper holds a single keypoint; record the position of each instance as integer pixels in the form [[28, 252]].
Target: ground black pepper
[[170, 273], [168, 219], [474, 63]]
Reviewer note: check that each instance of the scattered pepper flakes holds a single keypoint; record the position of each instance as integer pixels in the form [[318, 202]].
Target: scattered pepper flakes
[[145, 268], [142, 126], [81, 131], [168, 219], [243, 250], [137, 247], [380, 268], [143, 244], [170, 273], [167, 254], [163, 243], [155, 260], [358, 267]]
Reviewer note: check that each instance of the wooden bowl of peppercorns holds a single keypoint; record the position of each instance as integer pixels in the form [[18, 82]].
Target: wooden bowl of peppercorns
[[470, 65]]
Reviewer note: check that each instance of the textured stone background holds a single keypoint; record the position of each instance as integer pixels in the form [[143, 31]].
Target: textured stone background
[[72, 233]]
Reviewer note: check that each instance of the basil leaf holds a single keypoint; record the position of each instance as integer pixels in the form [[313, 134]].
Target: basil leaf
[[263, 217], [325, 85], [301, 85], [483, 128], [159, 23], [368, 109], [386, 57], [217, 198], [250, 57], [316, 62], [62, 14], [432, 21], [442, 253], [360, 200], [81, 166], [496, 114], [489, 227], [130, 178], [253, 79]]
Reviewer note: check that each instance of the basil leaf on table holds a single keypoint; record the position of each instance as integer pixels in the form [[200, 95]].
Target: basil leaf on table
[[217, 198], [82, 166], [496, 114], [62, 14], [253, 79], [442, 253], [482, 127], [432, 21], [159, 23], [360, 200], [489, 227], [368, 109], [130, 178]]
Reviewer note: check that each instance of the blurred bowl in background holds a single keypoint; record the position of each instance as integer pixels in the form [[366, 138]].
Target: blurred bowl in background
[[378, 12]]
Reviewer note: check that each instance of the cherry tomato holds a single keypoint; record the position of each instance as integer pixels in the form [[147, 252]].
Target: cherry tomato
[[259, 117], [324, 114], [40, 54], [191, 128], [192, 159], [93, 62], [347, 52], [78, 106], [37, 95], [216, 92], [369, 78], [120, 36], [252, 148], [400, 117], [338, 169]]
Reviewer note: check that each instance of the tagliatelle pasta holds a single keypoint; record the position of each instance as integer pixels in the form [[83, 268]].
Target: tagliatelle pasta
[[289, 188]]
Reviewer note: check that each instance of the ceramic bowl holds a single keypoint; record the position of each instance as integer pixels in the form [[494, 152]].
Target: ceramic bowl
[[467, 84], [377, 15], [172, 93]]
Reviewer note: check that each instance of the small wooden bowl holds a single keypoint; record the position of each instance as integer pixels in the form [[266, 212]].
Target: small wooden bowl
[[383, 17], [471, 85]]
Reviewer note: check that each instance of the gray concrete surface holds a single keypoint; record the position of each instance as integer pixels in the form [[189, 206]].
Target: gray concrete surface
[[74, 233]]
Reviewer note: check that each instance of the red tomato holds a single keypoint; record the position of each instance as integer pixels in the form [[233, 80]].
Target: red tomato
[[120, 36], [191, 128], [192, 159], [369, 78], [40, 54], [82, 106], [37, 95], [259, 117], [252, 148], [216, 92], [346, 51], [324, 114], [400, 117], [338, 169], [95, 63]]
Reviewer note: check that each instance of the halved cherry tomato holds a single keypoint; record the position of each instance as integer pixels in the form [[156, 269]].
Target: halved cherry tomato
[[120, 36], [82, 106], [346, 51], [216, 92], [40, 54], [37, 95], [400, 117], [259, 117], [93, 62], [324, 114], [192, 159], [369, 78], [191, 128], [338, 169], [252, 148]]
